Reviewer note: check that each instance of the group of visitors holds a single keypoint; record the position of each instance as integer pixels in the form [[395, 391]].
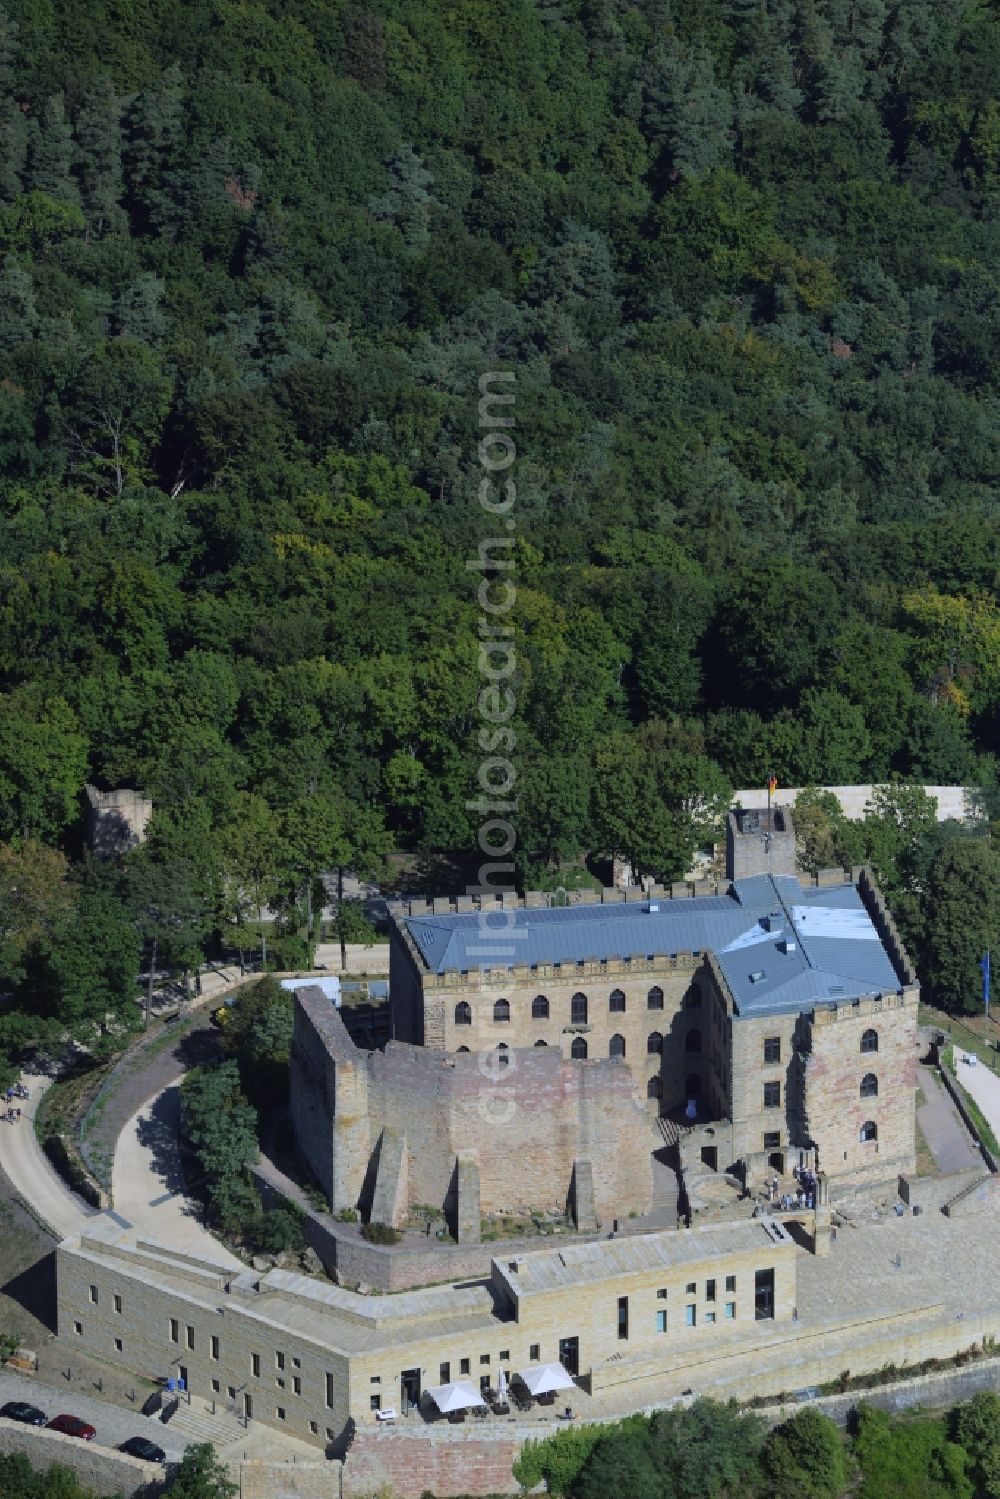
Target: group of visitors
[[804, 1195]]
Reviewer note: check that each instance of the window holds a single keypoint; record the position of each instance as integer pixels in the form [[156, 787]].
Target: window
[[313, 1428], [869, 1130], [329, 1393], [501, 1012], [730, 1283], [214, 1348], [255, 1370], [539, 1009], [78, 1329], [772, 1050], [654, 1088], [330, 1434], [279, 1360], [772, 1139], [463, 1013], [175, 1330], [869, 1085], [654, 1044], [763, 1295], [690, 1316], [503, 1060], [444, 1373], [376, 1379], [710, 1290], [616, 1047], [772, 1095], [654, 999], [869, 1041], [189, 1332], [616, 1004], [93, 1294], [578, 1050], [463, 1048], [709, 1316], [505, 1355], [279, 1411], [117, 1301], [540, 1042], [623, 1316], [578, 1010], [375, 1402], [535, 1353], [661, 1321], [692, 1041], [661, 1295], [465, 1366], [118, 1345], [484, 1358], [691, 1289], [296, 1363], [296, 1384], [216, 1387], [730, 1311]]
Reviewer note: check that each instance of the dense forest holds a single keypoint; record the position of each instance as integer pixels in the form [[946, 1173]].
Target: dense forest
[[742, 259]]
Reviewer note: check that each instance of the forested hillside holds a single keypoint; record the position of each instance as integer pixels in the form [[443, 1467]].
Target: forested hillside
[[742, 256]]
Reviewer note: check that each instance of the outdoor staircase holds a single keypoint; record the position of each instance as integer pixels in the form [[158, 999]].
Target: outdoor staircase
[[983, 1187], [196, 1423], [669, 1131]]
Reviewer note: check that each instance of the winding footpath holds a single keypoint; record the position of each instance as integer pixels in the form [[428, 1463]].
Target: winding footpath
[[31, 1173]]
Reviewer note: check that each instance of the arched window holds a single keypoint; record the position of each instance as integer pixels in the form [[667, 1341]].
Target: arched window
[[578, 1010], [503, 1055], [463, 1048], [541, 1043], [616, 1003], [692, 1085], [578, 1051], [654, 1043], [501, 1011], [539, 1008], [654, 999], [869, 1041], [654, 1088], [869, 1085], [616, 1048], [869, 1130], [692, 1041], [463, 1013]]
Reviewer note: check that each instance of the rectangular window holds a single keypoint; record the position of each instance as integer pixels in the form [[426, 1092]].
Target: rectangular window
[[118, 1345], [661, 1321], [216, 1387], [691, 1289], [730, 1283], [690, 1316], [623, 1316], [730, 1310], [175, 1330], [93, 1294], [377, 1379], [313, 1427], [296, 1385], [78, 1329], [329, 1392], [190, 1335], [710, 1290], [280, 1383], [772, 1139], [535, 1353], [763, 1291], [465, 1366], [118, 1305], [375, 1402], [255, 1365], [484, 1358], [772, 1095], [296, 1363], [215, 1347], [661, 1295], [505, 1355], [772, 1050], [330, 1433], [709, 1316], [279, 1411], [279, 1360]]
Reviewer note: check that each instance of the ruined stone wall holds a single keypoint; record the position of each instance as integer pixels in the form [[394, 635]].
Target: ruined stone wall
[[328, 1100], [834, 1069], [117, 820]]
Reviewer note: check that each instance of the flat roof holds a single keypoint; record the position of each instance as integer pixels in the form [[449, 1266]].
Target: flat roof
[[781, 946], [579, 1264]]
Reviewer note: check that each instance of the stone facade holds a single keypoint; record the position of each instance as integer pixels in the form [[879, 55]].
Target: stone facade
[[384, 1131], [117, 820]]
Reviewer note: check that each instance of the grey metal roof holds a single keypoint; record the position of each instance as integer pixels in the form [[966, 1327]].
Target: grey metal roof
[[806, 944]]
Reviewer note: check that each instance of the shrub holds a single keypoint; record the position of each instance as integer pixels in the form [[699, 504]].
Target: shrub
[[380, 1233], [804, 1458]]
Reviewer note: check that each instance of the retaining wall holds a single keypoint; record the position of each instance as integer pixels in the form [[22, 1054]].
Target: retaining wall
[[98, 1468]]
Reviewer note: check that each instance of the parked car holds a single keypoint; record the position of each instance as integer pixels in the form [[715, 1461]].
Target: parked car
[[144, 1448], [72, 1426], [20, 1410]]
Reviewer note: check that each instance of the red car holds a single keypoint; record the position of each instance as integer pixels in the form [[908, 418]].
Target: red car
[[72, 1426]]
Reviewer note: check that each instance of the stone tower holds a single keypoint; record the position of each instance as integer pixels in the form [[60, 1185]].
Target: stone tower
[[758, 842]]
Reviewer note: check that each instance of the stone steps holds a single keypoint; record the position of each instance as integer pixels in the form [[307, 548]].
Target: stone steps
[[196, 1423]]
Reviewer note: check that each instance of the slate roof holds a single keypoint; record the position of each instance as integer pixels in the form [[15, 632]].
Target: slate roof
[[781, 946]]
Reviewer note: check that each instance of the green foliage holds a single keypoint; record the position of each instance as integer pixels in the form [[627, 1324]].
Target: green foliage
[[976, 1428], [201, 1475], [221, 1128], [557, 1460], [380, 1233], [19, 1480], [963, 920], [804, 1458], [909, 1459], [258, 1034]]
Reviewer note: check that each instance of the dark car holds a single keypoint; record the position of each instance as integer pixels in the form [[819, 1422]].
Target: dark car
[[144, 1448], [72, 1426], [20, 1410]]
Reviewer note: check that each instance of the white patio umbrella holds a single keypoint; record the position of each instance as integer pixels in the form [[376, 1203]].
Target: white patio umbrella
[[540, 1379], [502, 1384], [454, 1397]]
